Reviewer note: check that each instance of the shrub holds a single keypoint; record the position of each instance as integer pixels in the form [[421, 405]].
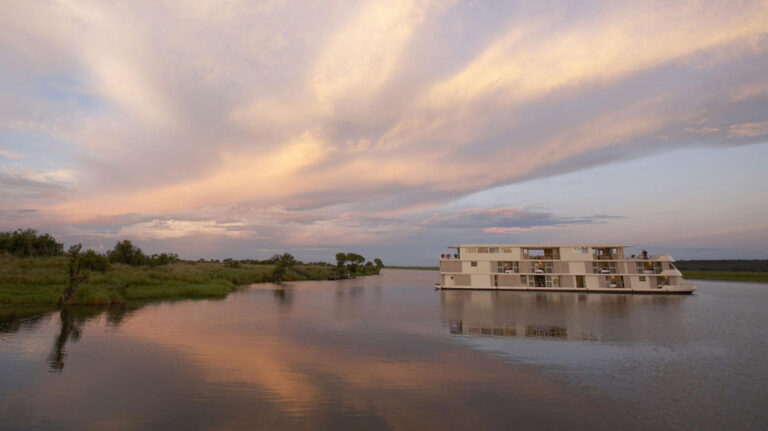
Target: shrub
[[94, 261], [163, 259]]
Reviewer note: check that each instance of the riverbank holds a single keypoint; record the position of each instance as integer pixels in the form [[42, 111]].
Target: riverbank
[[758, 277], [40, 281]]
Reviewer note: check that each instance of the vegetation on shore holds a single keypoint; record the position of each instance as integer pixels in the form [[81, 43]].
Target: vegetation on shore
[[755, 270], [43, 280], [761, 277], [34, 270], [724, 265]]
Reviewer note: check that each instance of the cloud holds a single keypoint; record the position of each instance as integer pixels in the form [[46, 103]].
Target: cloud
[[8, 154], [507, 220], [749, 130], [516, 229], [364, 54], [357, 119], [162, 229]]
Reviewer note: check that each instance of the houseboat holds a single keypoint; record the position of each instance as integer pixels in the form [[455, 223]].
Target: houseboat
[[578, 268]]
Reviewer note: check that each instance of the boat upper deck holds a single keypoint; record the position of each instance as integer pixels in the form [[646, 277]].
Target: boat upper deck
[[563, 252]]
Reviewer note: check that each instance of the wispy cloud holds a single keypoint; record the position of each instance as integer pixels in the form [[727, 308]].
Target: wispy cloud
[[749, 130], [8, 154], [367, 110], [508, 220]]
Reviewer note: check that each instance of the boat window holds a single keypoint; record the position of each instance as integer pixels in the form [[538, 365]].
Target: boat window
[[507, 267]]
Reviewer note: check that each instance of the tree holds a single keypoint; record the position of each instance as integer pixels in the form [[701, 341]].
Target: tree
[[27, 243], [379, 265], [163, 259], [125, 252], [73, 282], [341, 259], [355, 261], [283, 263], [278, 274], [287, 261]]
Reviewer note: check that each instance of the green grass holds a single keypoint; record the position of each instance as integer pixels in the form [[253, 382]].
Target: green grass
[[761, 277], [41, 281]]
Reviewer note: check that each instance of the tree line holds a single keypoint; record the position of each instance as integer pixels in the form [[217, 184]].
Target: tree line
[[347, 264], [30, 243], [730, 265], [353, 263]]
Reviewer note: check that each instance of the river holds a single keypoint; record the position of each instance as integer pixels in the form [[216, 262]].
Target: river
[[389, 351]]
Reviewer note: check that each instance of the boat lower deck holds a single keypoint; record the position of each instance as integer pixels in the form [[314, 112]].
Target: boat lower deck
[[687, 289]]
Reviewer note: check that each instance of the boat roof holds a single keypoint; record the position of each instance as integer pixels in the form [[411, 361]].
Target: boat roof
[[543, 245]]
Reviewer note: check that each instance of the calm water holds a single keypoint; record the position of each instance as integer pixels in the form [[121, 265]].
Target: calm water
[[391, 352]]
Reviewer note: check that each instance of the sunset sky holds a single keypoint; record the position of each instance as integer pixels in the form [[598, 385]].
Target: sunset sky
[[390, 128]]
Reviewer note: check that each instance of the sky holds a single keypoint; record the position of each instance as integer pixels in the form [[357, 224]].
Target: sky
[[392, 128]]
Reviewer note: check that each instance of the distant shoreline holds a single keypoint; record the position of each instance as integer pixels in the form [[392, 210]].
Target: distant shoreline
[[41, 281], [754, 277]]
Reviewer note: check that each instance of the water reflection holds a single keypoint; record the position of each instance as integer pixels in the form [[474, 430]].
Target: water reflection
[[70, 330], [72, 319], [539, 331], [284, 298], [556, 315], [15, 319], [371, 353]]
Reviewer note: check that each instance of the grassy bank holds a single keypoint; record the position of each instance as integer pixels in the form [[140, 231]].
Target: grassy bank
[[41, 280], [761, 277]]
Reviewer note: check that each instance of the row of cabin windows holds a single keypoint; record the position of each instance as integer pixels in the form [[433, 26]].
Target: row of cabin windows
[[544, 267], [554, 281], [506, 267], [540, 280], [540, 251], [488, 249]]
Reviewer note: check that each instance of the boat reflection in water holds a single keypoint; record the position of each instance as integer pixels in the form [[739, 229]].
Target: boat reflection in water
[[556, 315], [480, 328]]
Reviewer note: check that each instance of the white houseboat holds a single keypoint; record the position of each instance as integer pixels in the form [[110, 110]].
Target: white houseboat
[[562, 267]]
